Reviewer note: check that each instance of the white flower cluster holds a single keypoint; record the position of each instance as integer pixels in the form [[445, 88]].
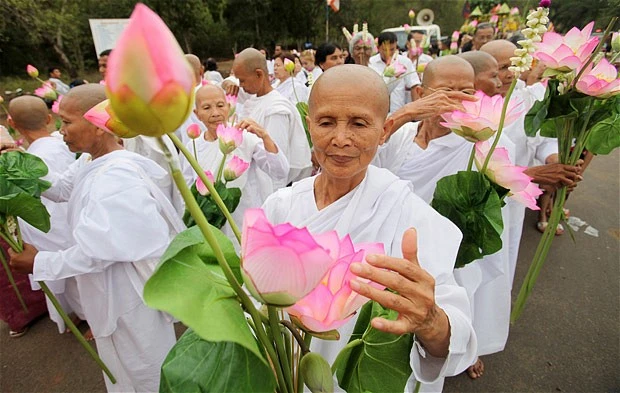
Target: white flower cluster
[[11, 224], [537, 21]]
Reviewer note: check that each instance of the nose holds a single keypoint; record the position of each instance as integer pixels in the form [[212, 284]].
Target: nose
[[342, 136]]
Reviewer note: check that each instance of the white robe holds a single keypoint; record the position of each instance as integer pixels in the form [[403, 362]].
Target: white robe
[[530, 151], [283, 123], [256, 183], [54, 152], [122, 220], [368, 214], [401, 88], [297, 93], [486, 280]]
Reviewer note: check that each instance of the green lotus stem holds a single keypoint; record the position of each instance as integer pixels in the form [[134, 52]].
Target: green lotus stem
[[194, 146], [471, 158], [216, 197], [203, 224], [305, 348], [93, 354], [9, 274], [596, 51], [540, 256], [418, 385], [282, 366], [501, 124], [220, 170]]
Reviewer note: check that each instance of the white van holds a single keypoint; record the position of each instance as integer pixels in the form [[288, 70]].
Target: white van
[[432, 32]]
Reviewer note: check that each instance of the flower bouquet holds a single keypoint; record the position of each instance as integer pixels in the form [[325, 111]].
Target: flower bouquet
[[301, 279]]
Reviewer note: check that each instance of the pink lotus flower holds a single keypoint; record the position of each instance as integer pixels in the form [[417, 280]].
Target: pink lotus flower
[[411, 14], [281, 263], [229, 137], [231, 100], [566, 53], [332, 303], [394, 70], [103, 117], [514, 11], [455, 36], [205, 82], [454, 46], [200, 185], [473, 23], [502, 172], [601, 81], [481, 118], [46, 91], [32, 71], [193, 131], [149, 82], [56, 104], [235, 168], [494, 19]]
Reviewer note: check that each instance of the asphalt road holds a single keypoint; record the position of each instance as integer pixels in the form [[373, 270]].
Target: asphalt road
[[567, 340]]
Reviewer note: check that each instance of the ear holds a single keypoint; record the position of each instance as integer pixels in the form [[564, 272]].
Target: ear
[[49, 119], [387, 130], [418, 91]]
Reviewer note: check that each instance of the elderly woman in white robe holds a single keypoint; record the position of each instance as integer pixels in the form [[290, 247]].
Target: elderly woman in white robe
[[346, 123]]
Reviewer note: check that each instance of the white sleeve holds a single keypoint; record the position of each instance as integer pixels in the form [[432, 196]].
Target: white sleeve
[[412, 79], [51, 266], [277, 125], [274, 164], [62, 183], [545, 147]]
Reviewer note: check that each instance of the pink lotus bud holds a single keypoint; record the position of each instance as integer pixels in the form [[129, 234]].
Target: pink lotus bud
[[234, 168], [56, 104], [193, 131], [502, 172], [615, 41], [1, 99], [567, 53], [601, 81], [232, 100], [205, 82], [406, 26], [514, 11], [481, 118], [46, 91], [289, 66], [473, 23], [494, 19], [454, 46], [200, 185], [455, 36], [281, 263], [149, 82], [229, 137], [32, 71], [411, 14], [332, 303], [102, 116]]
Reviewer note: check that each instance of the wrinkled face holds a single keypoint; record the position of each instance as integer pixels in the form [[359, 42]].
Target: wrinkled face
[[211, 108], [346, 126], [307, 63], [336, 58], [103, 65], [249, 81], [387, 50], [55, 73], [278, 70], [482, 36], [78, 133], [488, 80], [503, 62], [448, 78], [361, 53]]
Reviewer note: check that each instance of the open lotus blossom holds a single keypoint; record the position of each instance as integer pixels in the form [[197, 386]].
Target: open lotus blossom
[[332, 303], [566, 53], [235, 168], [193, 131], [46, 91], [281, 263], [601, 81], [501, 171], [200, 185], [481, 118], [32, 71], [229, 138], [56, 104], [395, 69], [103, 117], [149, 82]]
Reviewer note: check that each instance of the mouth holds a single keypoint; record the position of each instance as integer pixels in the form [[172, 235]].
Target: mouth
[[341, 159]]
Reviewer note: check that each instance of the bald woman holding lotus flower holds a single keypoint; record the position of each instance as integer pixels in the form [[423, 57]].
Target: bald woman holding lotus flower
[[347, 124]]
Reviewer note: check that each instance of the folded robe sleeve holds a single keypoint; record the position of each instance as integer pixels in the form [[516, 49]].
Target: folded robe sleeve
[[274, 164]]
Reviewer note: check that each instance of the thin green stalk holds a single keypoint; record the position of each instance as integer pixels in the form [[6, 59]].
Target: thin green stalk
[[216, 197], [305, 349], [471, 158], [596, 51], [203, 224], [501, 124], [418, 385], [194, 146], [294, 91], [220, 170], [9, 274], [274, 322], [93, 354]]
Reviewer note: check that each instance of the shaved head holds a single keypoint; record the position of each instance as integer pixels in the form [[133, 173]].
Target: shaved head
[[85, 96], [498, 47], [29, 113], [210, 91], [347, 78], [446, 65], [502, 51], [251, 60], [194, 62], [480, 61]]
